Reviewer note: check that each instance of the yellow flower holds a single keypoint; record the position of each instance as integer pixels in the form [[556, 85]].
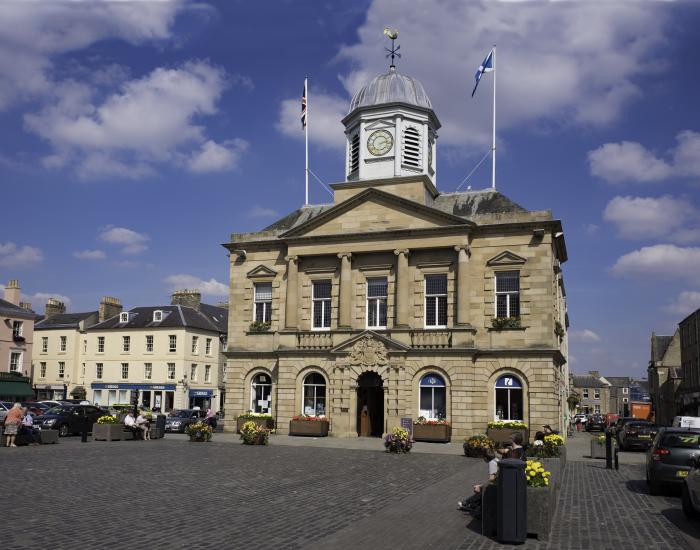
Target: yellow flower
[[546, 481]]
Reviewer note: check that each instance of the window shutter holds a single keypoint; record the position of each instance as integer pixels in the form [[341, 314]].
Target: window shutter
[[411, 148]]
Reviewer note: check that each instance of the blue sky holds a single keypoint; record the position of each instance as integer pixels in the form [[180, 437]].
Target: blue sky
[[134, 138]]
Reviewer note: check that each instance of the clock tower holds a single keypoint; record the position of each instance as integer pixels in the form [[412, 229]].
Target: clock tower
[[391, 130]]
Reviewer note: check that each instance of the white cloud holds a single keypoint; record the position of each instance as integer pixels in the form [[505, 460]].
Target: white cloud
[[585, 335], [666, 216], [215, 157], [12, 255], [662, 261], [686, 302], [262, 212], [89, 255], [39, 299], [212, 287], [325, 113], [131, 242], [629, 161], [592, 229]]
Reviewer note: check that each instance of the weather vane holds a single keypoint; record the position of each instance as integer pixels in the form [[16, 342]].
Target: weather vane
[[392, 34]]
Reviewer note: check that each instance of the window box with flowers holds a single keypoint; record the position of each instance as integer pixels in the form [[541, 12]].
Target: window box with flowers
[[264, 420], [435, 431], [505, 323], [314, 426], [500, 431], [108, 428], [254, 434], [259, 326], [477, 445], [541, 499]]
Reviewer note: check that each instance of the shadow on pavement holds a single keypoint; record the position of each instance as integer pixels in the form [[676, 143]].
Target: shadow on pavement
[[677, 518]]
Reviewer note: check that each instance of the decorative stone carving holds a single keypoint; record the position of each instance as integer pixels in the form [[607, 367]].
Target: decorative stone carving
[[368, 352]]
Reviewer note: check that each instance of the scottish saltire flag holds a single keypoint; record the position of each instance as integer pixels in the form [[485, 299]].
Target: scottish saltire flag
[[486, 67], [303, 107]]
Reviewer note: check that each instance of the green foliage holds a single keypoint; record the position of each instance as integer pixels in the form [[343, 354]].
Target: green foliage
[[254, 434], [107, 419], [505, 322], [259, 326], [514, 424]]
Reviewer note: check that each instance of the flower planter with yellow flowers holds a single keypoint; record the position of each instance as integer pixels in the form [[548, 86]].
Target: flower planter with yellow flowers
[[541, 499], [500, 431], [262, 420]]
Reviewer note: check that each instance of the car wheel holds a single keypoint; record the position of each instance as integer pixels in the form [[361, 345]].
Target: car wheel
[[687, 505], [63, 430]]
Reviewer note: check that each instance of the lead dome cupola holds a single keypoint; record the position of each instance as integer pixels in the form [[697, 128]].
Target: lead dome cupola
[[391, 87]]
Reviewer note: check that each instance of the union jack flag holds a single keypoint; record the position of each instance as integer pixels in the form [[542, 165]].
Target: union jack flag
[[303, 107]]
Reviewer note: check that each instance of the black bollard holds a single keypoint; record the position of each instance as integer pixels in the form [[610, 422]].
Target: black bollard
[[84, 430], [617, 462], [608, 450]]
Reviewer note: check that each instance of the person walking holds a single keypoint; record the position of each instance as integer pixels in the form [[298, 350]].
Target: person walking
[[12, 423], [211, 419]]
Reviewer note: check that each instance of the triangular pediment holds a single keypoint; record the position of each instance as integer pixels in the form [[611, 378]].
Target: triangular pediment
[[380, 124], [262, 271], [369, 340], [506, 258], [373, 211]]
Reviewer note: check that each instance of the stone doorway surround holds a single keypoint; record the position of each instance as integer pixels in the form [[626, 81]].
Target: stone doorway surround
[[370, 393]]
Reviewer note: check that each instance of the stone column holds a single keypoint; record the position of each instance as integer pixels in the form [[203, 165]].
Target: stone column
[[345, 298], [463, 253], [402, 288], [291, 316]]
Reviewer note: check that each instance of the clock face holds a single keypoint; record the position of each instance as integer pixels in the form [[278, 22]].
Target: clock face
[[380, 143]]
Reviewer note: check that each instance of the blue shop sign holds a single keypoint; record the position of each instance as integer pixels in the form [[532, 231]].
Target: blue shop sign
[[509, 383], [147, 387], [201, 393]]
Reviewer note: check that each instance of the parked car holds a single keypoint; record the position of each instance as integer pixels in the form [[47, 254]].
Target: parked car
[[637, 434], [75, 402], [36, 407], [179, 419], [51, 403], [68, 419], [595, 422], [672, 455], [580, 417], [619, 424], [4, 407], [686, 422]]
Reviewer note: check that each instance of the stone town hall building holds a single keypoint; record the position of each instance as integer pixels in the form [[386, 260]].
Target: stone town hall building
[[398, 297]]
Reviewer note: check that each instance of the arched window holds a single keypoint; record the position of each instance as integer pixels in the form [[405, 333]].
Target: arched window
[[433, 402], [509, 398], [355, 153], [261, 394], [411, 148], [314, 395]]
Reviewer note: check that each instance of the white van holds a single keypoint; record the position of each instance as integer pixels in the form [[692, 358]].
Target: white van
[[686, 422]]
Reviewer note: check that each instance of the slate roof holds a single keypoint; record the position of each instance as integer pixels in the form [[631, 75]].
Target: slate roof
[[11, 310], [64, 320], [619, 381], [208, 317], [391, 87], [588, 382], [659, 346]]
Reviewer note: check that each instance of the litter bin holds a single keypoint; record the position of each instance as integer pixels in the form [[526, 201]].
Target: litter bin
[[158, 426], [511, 502]]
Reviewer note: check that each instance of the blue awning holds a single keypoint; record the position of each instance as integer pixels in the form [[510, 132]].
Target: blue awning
[[201, 393], [148, 387]]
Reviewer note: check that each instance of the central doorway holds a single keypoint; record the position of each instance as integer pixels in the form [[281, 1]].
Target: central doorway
[[370, 395]]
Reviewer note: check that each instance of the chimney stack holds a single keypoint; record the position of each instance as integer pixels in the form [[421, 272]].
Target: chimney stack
[[594, 373], [54, 307], [189, 298], [12, 292], [109, 307], [26, 305]]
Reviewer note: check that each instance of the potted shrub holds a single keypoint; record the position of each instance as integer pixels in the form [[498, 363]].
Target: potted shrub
[[303, 424], [107, 428], [398, 441], [263, 420], [540, 499], [199, 432], [254, 434], [501, 430], [598, 447], [437, 431], [500, 323], [476, 445], [259, 326]]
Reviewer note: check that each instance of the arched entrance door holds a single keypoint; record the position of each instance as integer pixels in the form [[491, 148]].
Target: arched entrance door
[[370, 405]]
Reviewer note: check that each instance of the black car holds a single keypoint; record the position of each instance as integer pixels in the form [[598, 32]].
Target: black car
[[179, 419], [69, 419], [637, 435], [595, 422], [619, 424], [673, 454]]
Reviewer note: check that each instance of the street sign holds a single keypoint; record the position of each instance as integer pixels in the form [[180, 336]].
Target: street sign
[[407, 424]]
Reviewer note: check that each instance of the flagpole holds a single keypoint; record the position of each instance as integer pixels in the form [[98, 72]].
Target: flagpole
[[306, 144], [493, 133]]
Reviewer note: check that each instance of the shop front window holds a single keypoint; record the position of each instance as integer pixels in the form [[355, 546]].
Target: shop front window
[[314, 395], [433, 403], [509, 398], [261, 394]]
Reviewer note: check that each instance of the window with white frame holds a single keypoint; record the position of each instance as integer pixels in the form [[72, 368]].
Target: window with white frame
[[509, 398], [99, 371], [314, 395], [171, 371], [433, 404], [172, 345], [261, 394], [436, 301], [125, 371], [157, 316], [84, 346], [100, 344], [124, 317], [61, 369], [42, 369], [625, 400], [377, 290], [193, 372], [625, 390], [321, 303], [17, 329], [596, 393], [149, 343], [207, 373], [207, 347], [585, 393], [195, 345], [507, 294], [263, 302], [596, 409], [148, 371], [126, 343], [44, 344], [63, 343], [15, 361]]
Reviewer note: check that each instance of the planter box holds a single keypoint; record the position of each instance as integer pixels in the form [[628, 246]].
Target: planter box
[[540, 508], [108, 432], [264, 422], [258, 440], [597, 449], [473, 452], [47, 437], [554, 466], [436, 433], [313, 428], [502, 435]]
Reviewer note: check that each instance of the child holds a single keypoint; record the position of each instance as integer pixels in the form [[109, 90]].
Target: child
[[472, 504]]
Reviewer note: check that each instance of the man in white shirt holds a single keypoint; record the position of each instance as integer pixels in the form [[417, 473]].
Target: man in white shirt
[[130, 423]]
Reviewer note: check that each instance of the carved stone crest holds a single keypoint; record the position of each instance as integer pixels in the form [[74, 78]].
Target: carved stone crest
[[368, 352]]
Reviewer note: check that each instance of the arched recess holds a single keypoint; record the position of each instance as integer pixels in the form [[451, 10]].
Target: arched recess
[[301, 397], [260, 387], [517, 376], [418, 391]]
